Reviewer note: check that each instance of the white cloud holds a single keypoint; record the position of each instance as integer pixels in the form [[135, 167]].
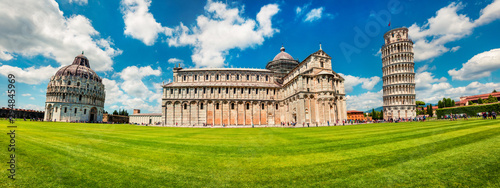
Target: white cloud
[[32, 98], [30, 75], [32, 107], [300, 10], [116, 98], [140, 23], [352, 81], [314, 14], [40, 28], [222, 29], [431, 90], [365, 101], [80, 2], [132, 80], [447, 26], [481, 65], [175, 60], [454, 49], [26, 95]]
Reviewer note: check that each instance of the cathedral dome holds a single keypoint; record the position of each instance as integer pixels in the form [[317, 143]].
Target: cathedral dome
[[80, 67], [283, 55]]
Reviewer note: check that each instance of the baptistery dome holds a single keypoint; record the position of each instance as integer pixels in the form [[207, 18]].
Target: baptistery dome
[[282, 63], [75, 94]]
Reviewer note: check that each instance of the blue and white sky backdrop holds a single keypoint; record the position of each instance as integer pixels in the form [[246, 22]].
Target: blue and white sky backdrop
[[133, 44]]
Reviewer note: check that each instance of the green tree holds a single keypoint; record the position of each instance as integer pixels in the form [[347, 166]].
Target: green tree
[[452, 102], [374, 114], [471, 103], [419, 103], [440, 104], [429, 110], [494, 91], [381, 114], [479, 101], [492, 99], [115, 112]]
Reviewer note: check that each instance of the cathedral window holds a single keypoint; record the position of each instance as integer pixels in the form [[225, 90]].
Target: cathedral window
[[195, 90], [262, 106], [171, 91], [241, 90], [185, 106], [267, 91], [69, 82], [87, 86], [80, 98], [195, 77], [184, 77], [219, 90], [227, 90], [78, 84], [64, 97], [217, 77], [267, 78], [227, 76], [234, 90], [204, 90], [75, 110], [248, 106], [276, 106], [206, 77], [249, 90], [187, 91], [232, 106], [216, 106], [65, 109], [256, 91], [212, 90], [237, 77], [84, 111], [248, 77], [275, 92], [257, 77], [56, 109], [321, 63], [201, 106]]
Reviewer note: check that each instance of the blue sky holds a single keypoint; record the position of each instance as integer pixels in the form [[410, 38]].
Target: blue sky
[[133, 44]]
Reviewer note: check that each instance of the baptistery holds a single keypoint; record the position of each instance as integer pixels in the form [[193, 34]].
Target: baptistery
[[75, 94]]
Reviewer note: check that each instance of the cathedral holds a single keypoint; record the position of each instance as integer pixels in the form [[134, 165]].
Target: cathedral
[[286, 91], [75, 94]]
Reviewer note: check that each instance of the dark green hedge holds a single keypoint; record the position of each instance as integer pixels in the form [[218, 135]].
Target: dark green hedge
[[469, 110]]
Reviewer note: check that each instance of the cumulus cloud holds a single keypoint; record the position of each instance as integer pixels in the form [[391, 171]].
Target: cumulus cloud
[[131, 92], [26, 95], [447, 26], [430, 89], [222, 29], [140, 23], [365, 101], [481, 65], [32, 107], [30, 75], [40, 28], [352, 81], [132, 80]]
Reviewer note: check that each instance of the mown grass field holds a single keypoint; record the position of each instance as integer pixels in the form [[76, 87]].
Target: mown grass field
[[440, 153]]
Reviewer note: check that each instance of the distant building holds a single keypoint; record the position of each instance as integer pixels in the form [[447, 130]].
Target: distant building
[[357, 115], [398, 71], [21, 113], [75, 93], [110, 118], [145, 119], [464, 101]]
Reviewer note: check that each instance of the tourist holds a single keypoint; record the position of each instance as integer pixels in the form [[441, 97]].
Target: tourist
[[494, 114]]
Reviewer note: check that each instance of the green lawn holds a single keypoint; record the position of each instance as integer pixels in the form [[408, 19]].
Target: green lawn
[[439, 153]]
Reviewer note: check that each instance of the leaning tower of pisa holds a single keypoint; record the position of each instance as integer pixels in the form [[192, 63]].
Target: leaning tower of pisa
[[398, 75]]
